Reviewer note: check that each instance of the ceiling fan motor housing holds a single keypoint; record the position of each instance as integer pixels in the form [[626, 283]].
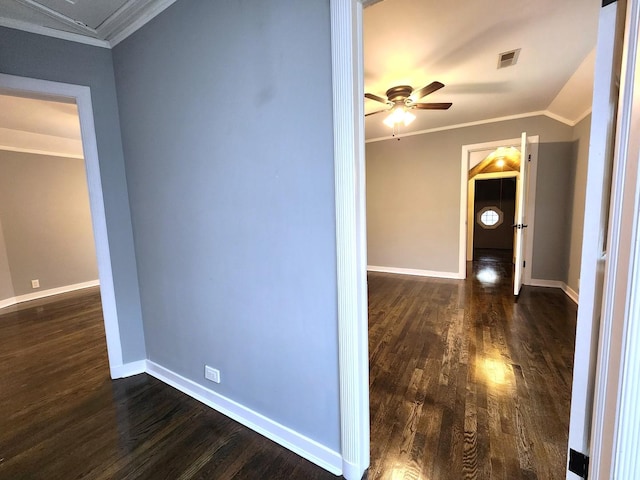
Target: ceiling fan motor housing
[[399, 94]]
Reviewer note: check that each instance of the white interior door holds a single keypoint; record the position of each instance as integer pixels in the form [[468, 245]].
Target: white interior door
[[520, 224], [597, 204]]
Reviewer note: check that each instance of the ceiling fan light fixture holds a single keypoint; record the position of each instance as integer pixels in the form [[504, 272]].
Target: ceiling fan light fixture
[[408, 118], [399, 115], [396, 116]]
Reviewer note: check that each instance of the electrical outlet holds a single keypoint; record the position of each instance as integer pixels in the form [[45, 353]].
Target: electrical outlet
[[35, 283], [212, 374]]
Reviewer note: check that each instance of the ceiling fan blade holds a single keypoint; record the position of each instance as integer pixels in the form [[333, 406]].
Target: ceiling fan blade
[[371, 96], [377, 111], [432, 106], [424, 91]]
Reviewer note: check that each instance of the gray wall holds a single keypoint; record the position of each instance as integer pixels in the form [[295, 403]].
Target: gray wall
[[29, 55], [554, 190], [6, 284], [413, 193], [231, 189], [581, 135], [44, 209]]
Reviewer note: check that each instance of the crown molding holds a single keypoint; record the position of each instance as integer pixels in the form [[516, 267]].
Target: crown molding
[[544, 113], [583, 116], [129, 18], [69, 22], [151, 10], [52, 32]]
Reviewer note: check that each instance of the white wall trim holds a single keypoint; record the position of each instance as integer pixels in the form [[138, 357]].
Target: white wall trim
[[115, 29], [569, 292], [539, 282], [530, 213], [52, 32], [560, 118], [128, 369], [82, 97], [151, 10], [593, 260], [615, 432], [413, 271], [467, 150], [351, 248], [626, 460], [7, 302], [583, 116], [288, 438], [544, 113], [47, 293]]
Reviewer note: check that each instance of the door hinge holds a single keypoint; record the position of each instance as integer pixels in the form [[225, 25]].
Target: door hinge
[[578, 463], [529, 158], [524, 263]]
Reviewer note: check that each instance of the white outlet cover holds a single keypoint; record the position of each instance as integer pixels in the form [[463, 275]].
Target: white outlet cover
[[35, 283], [212, 374]]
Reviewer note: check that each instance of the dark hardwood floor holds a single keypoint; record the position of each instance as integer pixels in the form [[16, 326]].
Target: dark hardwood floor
[[465, 384], [62, 418]]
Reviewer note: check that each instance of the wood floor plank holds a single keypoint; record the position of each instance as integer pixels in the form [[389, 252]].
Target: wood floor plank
[[465, 384], [496, 376], [63, 418]]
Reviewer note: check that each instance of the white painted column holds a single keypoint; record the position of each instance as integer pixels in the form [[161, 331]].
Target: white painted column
[[348, 128], [626, 461], [616, 426]]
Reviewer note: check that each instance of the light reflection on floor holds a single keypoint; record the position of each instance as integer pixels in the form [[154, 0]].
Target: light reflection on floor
[[488, 275], [496, 371]]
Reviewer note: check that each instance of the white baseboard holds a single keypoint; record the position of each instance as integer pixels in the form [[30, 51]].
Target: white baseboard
[[349, 470], [290, 439], [128, 369], [413, 271], [7, 302], [571, 293], [536, 282]]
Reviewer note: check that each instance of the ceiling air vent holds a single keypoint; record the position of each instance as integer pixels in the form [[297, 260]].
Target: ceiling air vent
[[508, 59]]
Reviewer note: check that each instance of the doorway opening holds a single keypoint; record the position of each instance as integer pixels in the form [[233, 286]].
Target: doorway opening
[[12, 85], [495, 160], [47, 247], [492, 211]]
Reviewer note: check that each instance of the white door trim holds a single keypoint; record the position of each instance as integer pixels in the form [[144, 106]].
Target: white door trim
[[351, 248], [82, 97], [465, 159], [471, 188], [348, 141], [615, 433]]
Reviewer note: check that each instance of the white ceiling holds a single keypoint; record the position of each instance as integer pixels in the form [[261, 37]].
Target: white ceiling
[[406, 42], [415, 42], [106, 22], [39, 125]]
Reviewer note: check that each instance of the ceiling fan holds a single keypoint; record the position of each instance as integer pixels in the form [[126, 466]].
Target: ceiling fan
[[403, 98]]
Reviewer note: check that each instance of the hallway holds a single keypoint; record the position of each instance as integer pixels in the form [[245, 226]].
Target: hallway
[[465, 383]]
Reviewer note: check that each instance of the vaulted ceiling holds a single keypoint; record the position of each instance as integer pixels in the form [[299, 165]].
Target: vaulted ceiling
[[416, 42]]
